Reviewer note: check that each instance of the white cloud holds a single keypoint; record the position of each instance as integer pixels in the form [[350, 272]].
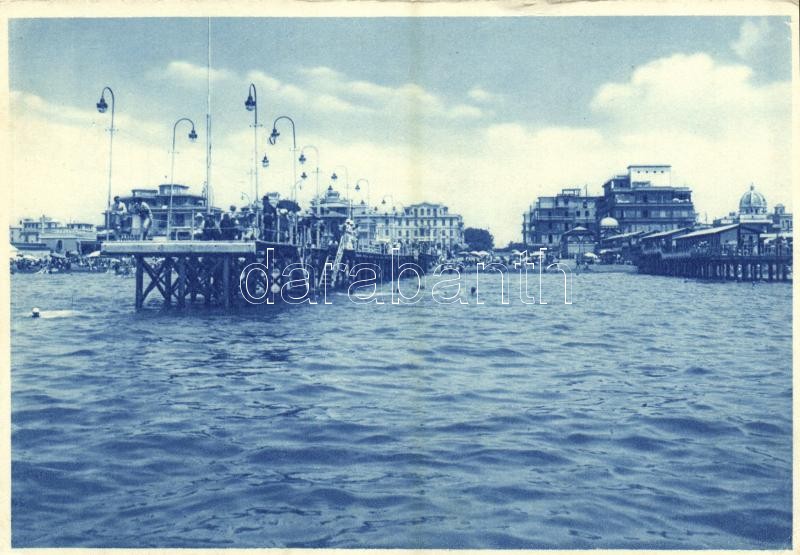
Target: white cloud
[[187, 71], [752, 38], [479, 94], [715, 125], [464, 111], [408, 98], [691, 92], [321, 72], [712, 121]]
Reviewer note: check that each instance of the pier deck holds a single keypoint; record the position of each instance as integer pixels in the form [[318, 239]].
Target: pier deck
[[714, 266], [188, 270], [174, 248]]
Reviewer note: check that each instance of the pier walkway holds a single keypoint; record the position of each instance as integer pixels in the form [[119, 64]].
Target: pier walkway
[[185, 271], [713, 266]]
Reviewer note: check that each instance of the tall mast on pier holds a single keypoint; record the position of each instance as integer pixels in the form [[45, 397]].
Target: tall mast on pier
[[208, 120]]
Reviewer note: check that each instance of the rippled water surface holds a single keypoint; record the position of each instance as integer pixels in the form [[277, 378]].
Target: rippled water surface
[[651, 413]]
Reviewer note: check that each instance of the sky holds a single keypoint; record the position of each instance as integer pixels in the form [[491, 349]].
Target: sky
[[481, 114]]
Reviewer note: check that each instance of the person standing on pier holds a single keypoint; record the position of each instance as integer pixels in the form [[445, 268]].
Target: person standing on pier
[[197, 227], [118, 213], [268, 219], [145, 217], [227, 227], [235, 232], [211, 231]]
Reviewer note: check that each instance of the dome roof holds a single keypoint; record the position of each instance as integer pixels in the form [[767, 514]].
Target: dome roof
[[608, 221], [753, 202]]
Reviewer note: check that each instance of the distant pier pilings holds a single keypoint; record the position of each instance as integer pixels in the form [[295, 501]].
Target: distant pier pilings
[[718, 267]]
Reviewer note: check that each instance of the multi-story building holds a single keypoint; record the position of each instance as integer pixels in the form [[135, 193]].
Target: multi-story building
[[645, 200], [185, 206], [550, 217], [754, 212], [782, 219], [50, 234], [74, 237], [30, 230], [332, 210], [15, 233], [429, 227]]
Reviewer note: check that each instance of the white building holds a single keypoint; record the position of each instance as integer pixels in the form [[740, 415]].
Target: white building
[[659, 175], [428, 227], [57, 237]]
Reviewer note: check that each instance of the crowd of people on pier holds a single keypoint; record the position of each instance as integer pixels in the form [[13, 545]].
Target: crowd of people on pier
[[121, 218], [232, 225]]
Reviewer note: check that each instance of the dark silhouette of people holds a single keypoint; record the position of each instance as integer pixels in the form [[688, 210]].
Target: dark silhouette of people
[[211, 231], [227, 228], [268, 219]]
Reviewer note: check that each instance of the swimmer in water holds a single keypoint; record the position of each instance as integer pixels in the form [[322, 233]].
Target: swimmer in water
[[473, 291], [35, 312]]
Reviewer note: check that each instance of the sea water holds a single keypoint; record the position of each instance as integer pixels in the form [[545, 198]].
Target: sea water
[[651, 412]]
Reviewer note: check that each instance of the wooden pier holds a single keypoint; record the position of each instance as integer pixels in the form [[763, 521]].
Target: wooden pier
[[185, 272], [768, 267]]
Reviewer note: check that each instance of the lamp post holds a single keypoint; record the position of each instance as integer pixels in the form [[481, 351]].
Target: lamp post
[[102, 107], [298, 185], [252, 106], [273, 137], [257, 206], [302, 161], [334, 177], [358, 188], [192, 137]]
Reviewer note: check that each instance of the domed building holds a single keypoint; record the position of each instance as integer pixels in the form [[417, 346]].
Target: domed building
[[608, 226], [753, 203], [609, 223], [753, 211]]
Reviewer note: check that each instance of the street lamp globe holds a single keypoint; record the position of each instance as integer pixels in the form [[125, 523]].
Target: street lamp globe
[[102, 106], [250, 103], [273, 136], [265, 162], [192, 135], [302, 158], [334, 177], [303, 175], [358, 187]]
